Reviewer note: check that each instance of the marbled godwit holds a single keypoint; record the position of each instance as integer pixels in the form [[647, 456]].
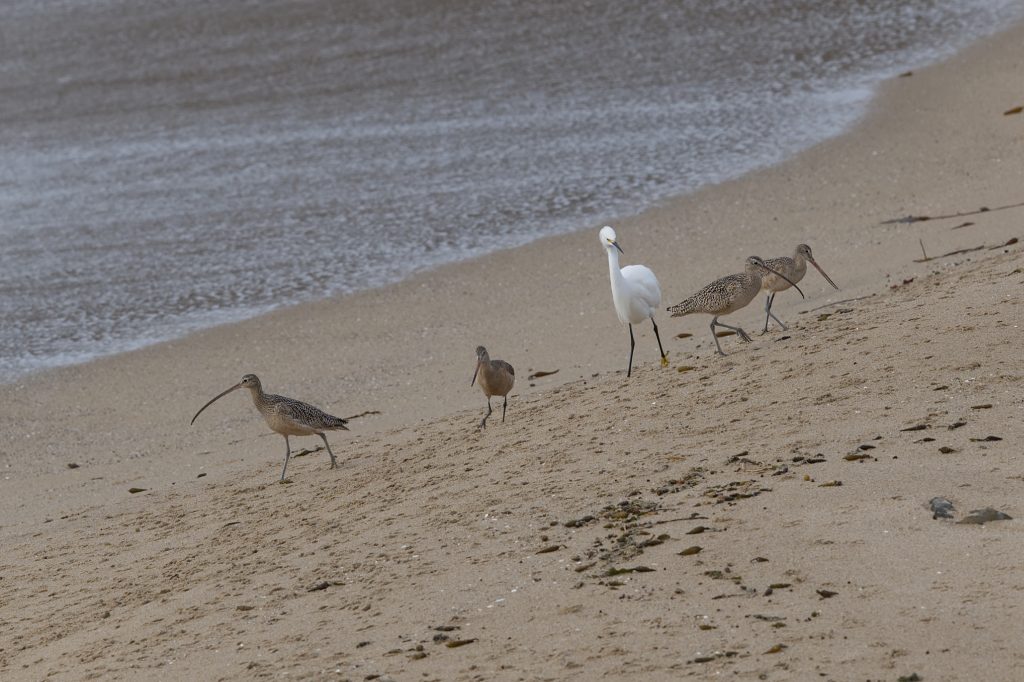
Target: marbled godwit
[[286, 416], [727, 295], [794, 268], [496, 378], [635, 293]]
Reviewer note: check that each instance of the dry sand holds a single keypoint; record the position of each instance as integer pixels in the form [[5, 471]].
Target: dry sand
[[430, 524]]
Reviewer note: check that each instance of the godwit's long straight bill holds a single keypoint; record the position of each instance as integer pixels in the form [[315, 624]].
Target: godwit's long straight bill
[[827, 278], [233, 388]]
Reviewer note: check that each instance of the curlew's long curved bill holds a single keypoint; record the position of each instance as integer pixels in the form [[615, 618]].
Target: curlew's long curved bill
[[475, 372], [236, 386], [827, 278], [775, 272]]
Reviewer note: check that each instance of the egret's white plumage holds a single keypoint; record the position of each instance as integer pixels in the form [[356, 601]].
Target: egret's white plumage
[[635, 292]]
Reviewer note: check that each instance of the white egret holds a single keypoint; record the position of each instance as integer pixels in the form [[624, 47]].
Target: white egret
[[635, 293]]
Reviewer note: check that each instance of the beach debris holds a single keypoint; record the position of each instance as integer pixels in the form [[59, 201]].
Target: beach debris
[[713, 656], [986, 439], [735, 490], [363, 414], [926, 439], [455, 643], [941, 508], [830, 484], [690, 551], [577, 523], [918, 427], [826, 594], [72, 465], [1014, 110], [685, 368], [611, 572], [776, 649], [985, 406], [244, 607], [985, 515], [914, 219], [549, 549], [961, 225], [758, 560], [1009, 242], [201, 475], [137, 490], [316, 587], [906, 74], [947, 450], [912, 677], [956, 425], [683, 335], [697, 530], [446, 628], [856, 456], [418, 655], [541, 373]]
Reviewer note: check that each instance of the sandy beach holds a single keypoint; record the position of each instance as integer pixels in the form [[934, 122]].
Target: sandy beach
[[560, 544]]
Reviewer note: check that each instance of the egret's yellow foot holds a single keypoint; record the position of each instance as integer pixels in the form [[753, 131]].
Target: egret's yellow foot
[[664, 360]]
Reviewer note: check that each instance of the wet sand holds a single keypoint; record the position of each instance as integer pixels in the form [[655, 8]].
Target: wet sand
[[430, 524]]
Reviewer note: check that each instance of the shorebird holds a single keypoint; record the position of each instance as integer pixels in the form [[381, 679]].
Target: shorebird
[[727, 295], [635, 293], [496, 378], [794, 268], [286, 416]]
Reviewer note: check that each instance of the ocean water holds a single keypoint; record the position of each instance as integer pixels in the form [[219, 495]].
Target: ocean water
[[175, 164]]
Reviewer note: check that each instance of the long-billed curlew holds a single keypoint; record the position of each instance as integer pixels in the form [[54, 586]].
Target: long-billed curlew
[[794, 268], [286, 416], [727, 295], [635, 293], [496, 378]]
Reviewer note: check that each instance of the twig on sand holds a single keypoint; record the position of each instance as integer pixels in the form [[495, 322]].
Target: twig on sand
[[906, 220], [845, 300], [364, 414]]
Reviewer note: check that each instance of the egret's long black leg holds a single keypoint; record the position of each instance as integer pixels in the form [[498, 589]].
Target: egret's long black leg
[[658, 336], [632, 343]]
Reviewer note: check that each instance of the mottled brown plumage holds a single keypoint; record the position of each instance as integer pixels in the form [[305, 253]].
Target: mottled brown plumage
[[794, 268], [286, 416], [726, 295], [496, 378]]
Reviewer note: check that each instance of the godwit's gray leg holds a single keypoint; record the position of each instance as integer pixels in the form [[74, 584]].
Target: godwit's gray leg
[[658, 336], [632, 343], [504, 405], [483, 422], [714, 321], [768, 309], [287, 454], [743, 334], [334, 462]]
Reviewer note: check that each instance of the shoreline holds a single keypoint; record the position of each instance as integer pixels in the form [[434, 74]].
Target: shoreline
[[233, 317]]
